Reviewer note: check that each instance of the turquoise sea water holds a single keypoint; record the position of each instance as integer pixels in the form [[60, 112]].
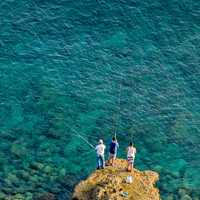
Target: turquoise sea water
[[62, 64]]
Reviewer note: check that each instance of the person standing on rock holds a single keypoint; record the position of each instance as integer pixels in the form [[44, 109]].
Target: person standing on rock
[[100, 148], [113, 151], [131, 151]]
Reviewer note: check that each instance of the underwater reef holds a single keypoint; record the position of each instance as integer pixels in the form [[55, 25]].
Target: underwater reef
[[62, 64]]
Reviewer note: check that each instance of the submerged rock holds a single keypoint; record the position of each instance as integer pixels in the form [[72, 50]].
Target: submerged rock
[[36, 165], [2, 195], [62, 172], [48, 169], [45, 196], [186, 197], [110, 183], [18, 197]]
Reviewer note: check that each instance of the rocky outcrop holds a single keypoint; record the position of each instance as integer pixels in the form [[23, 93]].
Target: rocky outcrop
[[111, 184]]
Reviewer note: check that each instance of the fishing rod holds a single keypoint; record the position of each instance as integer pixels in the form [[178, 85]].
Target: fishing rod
[[118, 114], [84, 139], [118, 108], [117, 122], [78, 135]]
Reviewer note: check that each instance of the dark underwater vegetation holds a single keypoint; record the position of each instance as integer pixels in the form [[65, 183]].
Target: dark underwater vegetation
[[62, 64]]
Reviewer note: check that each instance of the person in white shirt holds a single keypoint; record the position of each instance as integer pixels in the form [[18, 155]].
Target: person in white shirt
[[100, 148], [131, 151]]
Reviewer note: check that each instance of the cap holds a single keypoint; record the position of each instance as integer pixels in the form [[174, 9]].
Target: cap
[[100, 141]]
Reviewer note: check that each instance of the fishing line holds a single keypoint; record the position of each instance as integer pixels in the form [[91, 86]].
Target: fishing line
[[91, 136], [118, 112], [134, 89], [85, 154]]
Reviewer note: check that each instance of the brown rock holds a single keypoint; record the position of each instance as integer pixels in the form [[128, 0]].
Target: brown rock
[[110, 184]]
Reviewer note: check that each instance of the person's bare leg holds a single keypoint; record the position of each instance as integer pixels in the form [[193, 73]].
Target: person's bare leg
[[131, 167], [112, 161], [109, 160], [128, 166]]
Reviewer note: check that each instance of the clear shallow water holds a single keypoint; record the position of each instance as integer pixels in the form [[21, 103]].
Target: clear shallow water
[[61, 67]]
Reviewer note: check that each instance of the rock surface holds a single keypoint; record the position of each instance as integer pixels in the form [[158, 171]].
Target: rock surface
[[110, 184]]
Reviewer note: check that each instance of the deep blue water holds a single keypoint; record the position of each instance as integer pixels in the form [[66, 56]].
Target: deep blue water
[[63, 66]]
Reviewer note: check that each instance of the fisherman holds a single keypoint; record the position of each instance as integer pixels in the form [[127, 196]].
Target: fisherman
[[100, 148], [113, 151], [131, 151]]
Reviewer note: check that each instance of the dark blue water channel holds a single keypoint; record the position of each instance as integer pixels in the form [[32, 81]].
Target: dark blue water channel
[[62, 64]]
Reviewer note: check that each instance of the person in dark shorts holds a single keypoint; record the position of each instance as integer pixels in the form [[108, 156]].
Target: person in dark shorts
[[113, 151]]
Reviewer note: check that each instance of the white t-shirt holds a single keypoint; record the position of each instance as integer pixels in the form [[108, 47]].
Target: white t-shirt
[[100, 148], [131, 152]]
